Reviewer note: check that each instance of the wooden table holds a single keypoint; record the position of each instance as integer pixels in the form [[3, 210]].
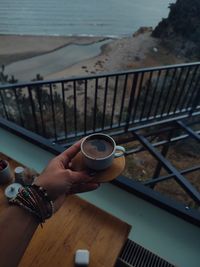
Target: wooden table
[[77, 225]]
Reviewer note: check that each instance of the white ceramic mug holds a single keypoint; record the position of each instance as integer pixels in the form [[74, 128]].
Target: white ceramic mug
[[105, 162]]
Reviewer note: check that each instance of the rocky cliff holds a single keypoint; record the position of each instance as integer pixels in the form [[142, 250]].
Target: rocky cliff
[[181, 30]]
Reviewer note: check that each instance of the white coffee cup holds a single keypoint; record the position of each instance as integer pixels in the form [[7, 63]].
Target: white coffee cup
[[101, 163]]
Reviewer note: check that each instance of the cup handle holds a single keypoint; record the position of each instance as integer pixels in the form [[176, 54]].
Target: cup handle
[[121, 153]]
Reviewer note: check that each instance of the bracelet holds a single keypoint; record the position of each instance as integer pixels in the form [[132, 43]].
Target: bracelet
[[35, 200]]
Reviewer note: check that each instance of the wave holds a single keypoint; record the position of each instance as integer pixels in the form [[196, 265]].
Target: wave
[[110, 36]]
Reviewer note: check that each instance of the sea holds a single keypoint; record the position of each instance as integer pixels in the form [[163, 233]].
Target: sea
[[113, 18]]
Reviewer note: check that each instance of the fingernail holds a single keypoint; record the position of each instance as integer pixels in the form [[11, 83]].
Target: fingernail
[[70, 164], [92, 173]]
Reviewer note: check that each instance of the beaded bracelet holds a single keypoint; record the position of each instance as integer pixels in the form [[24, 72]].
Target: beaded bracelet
[[35, 200]]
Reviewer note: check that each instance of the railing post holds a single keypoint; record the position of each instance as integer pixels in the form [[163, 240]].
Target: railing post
[[196, 100], [53, 111], [64, 109], [33, 108], [131, 101]]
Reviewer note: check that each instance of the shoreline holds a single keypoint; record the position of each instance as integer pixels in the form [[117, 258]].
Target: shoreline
[[69, 35], [17, 47], [138, 50]]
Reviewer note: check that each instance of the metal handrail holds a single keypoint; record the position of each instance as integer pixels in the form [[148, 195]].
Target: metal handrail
[[102, 75], [73, 107]]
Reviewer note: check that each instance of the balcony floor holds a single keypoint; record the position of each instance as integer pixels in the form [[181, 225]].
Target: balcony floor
[[166, 235]]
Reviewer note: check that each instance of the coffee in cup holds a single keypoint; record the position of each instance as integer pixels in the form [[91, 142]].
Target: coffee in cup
[[99, 150]]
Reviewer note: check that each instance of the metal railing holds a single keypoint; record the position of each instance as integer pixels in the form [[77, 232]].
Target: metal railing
[[50, 113], [64, 109]]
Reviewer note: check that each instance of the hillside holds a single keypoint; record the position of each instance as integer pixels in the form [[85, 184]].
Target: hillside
[[181, 30]]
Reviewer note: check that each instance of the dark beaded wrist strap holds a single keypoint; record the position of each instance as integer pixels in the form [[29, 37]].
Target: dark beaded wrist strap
[[35, 200]]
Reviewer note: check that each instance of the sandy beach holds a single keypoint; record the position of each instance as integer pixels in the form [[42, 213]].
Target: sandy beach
[[123, 54], [139, 50]]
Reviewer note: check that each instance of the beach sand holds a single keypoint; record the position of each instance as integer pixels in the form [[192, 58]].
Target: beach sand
[[123, 54], [137, 51]]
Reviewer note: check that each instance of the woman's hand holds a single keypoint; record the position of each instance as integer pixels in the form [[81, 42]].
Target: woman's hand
[[59, 180]]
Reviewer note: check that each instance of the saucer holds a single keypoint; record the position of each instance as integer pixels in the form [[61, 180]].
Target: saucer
[[103, 176]]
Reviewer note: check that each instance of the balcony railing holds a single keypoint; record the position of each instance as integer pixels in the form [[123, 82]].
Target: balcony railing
[[145, 106], [117, 102]]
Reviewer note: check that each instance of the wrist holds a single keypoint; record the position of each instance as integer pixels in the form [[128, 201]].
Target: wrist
[[34, 200], [40, 181]]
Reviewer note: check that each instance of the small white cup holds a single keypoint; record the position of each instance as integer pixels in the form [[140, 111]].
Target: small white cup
[[19, 174], [99, 164]]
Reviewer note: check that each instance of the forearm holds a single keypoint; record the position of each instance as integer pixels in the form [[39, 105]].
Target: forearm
[[43, 198], [17, 227]]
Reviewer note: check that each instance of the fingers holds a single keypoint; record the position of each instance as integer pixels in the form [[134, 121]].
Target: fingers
[[73, 150], [80, 188], [69, 153], [78, 177]]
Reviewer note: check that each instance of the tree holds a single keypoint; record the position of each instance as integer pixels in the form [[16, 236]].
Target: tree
[[5, 78]]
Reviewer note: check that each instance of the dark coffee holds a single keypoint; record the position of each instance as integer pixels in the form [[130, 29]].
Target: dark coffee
[[97, 148]]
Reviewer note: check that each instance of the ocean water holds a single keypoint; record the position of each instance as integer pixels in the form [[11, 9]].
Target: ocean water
[[80, 17]]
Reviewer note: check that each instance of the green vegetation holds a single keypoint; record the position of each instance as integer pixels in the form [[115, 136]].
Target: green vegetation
[[182, 26], [5, 78]]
